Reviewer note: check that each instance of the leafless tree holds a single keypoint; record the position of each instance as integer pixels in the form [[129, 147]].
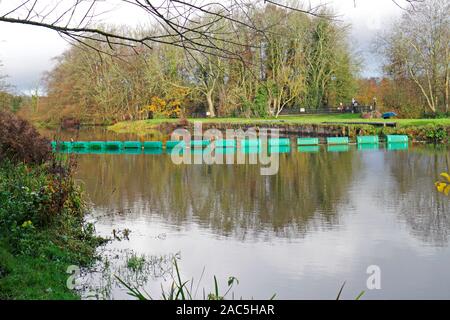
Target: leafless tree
[[178, 22]]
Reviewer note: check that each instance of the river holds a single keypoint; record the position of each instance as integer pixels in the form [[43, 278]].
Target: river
[[322, 220]]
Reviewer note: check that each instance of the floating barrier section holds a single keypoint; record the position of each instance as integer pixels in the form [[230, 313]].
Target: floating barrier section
[[173, 143], [199, 143], [396, 138], [229, 143], [279, 142], [307, 141], [113, 145], [337, 140], [367, 139], [79, 145], [153, 145], [132, 145], [96, 145]]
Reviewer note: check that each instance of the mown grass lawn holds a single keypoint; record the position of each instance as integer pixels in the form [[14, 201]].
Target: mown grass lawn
[[148, 126]]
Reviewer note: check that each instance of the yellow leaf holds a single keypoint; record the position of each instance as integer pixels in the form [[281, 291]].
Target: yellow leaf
[[447, 190], [441, 186], [446, 176]]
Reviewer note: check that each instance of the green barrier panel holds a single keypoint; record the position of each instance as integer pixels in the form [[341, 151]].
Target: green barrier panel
[[132, 145], [113, 145], [368, 146], [367, 139], [308, 149], [337, 140], [279, 142], [79, 145], [250, 143], [396, 138], [397, 146], [153, 151], [225, 143], [153, 145], [199, 143], [96, 145], [279, 149], [307, 141], [338, 148], [172, 144]]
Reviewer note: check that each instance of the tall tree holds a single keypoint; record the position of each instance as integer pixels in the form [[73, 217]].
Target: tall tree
[[417, 48]]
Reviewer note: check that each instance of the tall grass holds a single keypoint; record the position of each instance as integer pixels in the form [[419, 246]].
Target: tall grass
[[184, 290]]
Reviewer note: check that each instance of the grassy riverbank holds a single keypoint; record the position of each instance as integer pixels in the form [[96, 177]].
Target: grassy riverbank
[[42, 232], [42, 227], [421, 129]]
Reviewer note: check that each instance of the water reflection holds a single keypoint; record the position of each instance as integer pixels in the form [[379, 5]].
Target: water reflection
[[232, 200], [320, 221], [425, 211]]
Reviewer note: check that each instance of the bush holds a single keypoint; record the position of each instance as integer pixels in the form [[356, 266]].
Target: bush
[[20, 141], [437, 115]]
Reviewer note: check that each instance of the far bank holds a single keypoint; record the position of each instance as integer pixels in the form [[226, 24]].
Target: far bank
[[351, 125]]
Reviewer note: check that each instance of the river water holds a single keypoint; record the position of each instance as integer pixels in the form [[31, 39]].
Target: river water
[[323, 219]]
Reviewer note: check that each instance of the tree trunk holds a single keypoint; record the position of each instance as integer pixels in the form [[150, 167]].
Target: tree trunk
[[209, 99]]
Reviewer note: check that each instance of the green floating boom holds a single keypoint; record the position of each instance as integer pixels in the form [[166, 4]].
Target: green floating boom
[[396, 138], [337, 140], [80, 145], [225, 143], [279, 142], [367, 139], [153, 145], [307, 141], [132, 145], [113, 145], [96, 145], [250, 143], [173, 143], [199, 143]]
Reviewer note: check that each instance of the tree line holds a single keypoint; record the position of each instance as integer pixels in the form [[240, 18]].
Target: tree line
[[299, 61], [287, 59]]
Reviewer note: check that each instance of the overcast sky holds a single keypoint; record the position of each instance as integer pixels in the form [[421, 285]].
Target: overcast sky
[[27, 52]]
